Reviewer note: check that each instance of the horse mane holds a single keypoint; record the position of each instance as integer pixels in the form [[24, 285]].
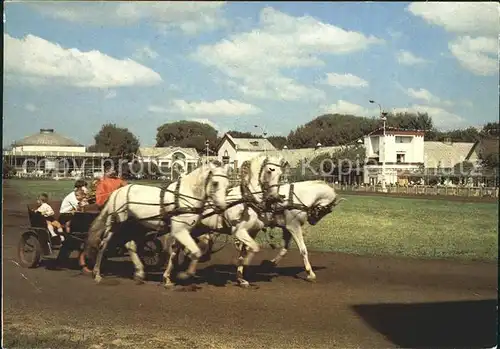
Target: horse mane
[[196, 178], [254, 165]]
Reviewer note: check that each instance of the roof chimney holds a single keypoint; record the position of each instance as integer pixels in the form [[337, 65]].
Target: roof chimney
[[46, 130]]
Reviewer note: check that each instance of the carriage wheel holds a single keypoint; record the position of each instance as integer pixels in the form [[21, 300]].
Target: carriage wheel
[[29, 250], [151, 254]]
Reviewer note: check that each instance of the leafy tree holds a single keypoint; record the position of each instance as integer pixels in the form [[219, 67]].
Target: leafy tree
[[278, 141], [118, 142], [491, 129], [238, 134], [7, 170], [489, 153], [187, 134], [331, 130], [352, 156]]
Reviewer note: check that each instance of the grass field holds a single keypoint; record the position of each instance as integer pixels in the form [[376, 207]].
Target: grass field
[[372, 225]]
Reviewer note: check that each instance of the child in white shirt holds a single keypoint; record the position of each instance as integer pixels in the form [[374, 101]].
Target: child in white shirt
[[46, 210]]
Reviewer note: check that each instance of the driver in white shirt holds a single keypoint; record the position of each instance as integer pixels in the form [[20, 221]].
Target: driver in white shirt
[[70, 203]]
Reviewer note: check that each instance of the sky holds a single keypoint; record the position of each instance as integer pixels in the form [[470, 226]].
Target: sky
[[75, 66]]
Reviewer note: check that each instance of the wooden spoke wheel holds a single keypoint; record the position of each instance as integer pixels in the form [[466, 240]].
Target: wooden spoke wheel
[[29, 250], [151, 253]]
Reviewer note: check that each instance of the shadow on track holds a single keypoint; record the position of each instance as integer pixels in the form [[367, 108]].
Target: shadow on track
[[461, 324], [218, 275]]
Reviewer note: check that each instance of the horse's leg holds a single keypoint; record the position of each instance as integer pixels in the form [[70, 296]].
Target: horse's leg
[[242, 253], [139, 267], [296, 232], [183, 236], [173, 251], [287, 238], [97, 267], [251, 247]]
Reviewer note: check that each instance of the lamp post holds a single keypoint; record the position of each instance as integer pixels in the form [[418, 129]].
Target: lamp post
[[383, 117], [264, 134], [207, 143]]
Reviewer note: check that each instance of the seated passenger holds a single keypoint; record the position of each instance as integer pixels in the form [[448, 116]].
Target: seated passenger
[[71, 203], [46, 210], [108, 184]]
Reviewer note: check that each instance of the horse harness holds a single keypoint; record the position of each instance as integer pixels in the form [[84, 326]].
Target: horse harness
[[314, 213], [164, 215]]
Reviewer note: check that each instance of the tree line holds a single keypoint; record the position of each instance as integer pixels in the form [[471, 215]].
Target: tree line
[[328, 129]]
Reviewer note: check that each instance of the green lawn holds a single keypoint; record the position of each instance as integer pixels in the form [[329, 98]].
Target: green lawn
[[408, 227], [377, 225], [57, 190]]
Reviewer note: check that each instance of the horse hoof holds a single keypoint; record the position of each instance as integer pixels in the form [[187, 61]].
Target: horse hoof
[[311, 278], [244, 284], [269, 264], [138, 280], [97, 279], [168, 285], [184, 276]]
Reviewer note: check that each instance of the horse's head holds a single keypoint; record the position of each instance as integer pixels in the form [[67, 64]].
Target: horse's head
[[217, 184], [324, 207], [270, 174]]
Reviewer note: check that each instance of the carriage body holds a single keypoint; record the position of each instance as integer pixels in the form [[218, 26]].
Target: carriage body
[[36, 241]]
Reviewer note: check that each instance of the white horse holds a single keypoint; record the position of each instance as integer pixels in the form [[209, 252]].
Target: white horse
[[175, 209], [302, 201], [259, 184]]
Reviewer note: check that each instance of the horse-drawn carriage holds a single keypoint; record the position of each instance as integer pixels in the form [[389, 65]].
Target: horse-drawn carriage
[[36, 241]]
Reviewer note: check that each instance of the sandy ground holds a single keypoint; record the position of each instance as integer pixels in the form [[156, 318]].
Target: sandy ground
[[357, 302]]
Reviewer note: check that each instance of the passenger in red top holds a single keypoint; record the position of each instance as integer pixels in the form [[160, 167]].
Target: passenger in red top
[[108, 184]]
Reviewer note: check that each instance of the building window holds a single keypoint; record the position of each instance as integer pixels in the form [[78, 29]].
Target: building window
[[400, 158], [403, 139]]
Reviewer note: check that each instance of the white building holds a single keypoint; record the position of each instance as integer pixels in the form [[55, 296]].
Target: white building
[[172, 161], [48, 151], [402, 151], [398, 150], [237, 150]]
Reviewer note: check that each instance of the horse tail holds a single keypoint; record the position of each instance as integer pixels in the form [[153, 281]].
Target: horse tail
[[97, 228]]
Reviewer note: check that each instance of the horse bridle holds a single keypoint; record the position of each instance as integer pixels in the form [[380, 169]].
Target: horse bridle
[[207, 182], [266, 187]]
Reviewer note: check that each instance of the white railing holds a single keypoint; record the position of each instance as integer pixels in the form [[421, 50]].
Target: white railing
[[423, 190]]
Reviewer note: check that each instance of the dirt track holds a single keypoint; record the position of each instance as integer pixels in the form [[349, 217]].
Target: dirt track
[[357, 302]]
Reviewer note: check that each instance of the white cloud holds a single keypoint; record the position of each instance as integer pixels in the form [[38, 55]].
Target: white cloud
[[206, 121], [426, 96], [145, 52], [478, 55], [189, 17], [36, 60], [474, 18], [219, 107], [422, 94], [344, 107], [441, 118], [408, 58], [476, 23], [255, 60], [345, 80], [30, 107]]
